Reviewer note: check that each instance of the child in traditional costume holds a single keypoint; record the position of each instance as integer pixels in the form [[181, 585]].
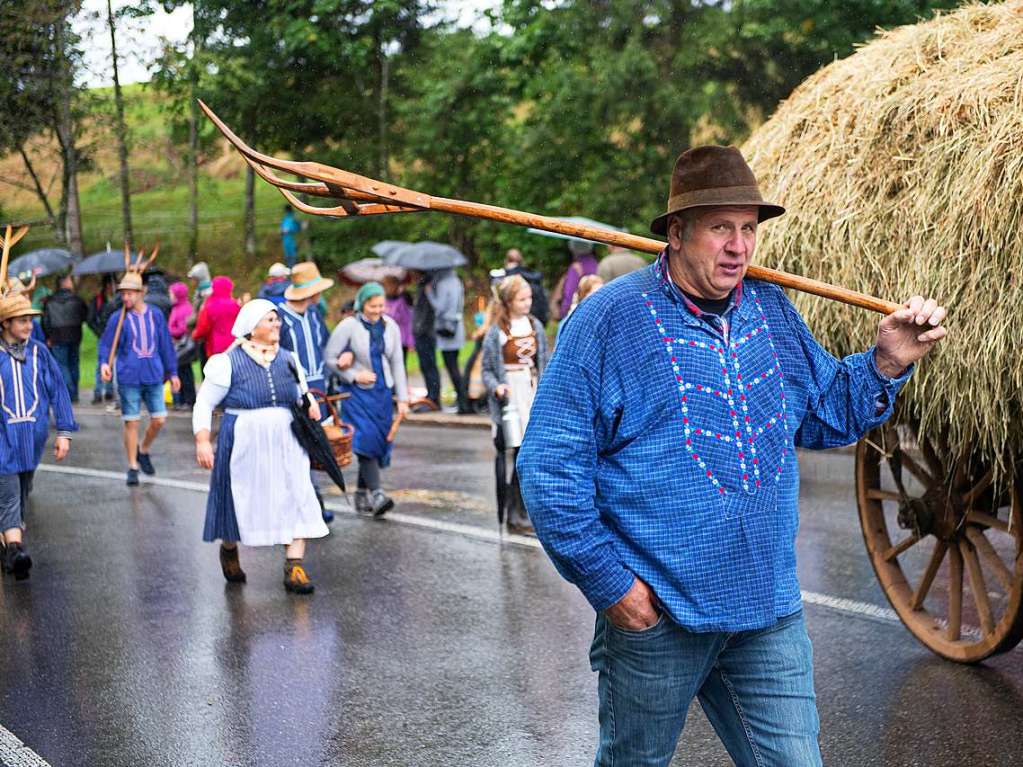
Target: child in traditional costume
[[31, 385], [145, 359], [514, 356], [260, 490]]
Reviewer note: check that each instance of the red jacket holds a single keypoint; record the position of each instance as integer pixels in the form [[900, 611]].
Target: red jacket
[[216, 318]]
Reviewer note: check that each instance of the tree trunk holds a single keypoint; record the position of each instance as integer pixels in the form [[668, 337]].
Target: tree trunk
[[70, 209], [122, 138], [193, 142], [383, 72], [250, 213], [40, 192]]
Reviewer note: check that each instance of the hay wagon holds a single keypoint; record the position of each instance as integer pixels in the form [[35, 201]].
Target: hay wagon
[[902, 171]]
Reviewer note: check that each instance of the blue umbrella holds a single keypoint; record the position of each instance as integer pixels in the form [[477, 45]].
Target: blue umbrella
[[41, 262], [423, 256], [104, 262], [385, 248]]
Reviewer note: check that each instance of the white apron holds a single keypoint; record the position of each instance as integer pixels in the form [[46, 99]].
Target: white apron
[[274, 499]]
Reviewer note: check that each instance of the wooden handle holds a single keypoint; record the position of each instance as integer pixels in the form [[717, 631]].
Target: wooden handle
[[394, 427], [361, 196], [117, 338], [650, 245]]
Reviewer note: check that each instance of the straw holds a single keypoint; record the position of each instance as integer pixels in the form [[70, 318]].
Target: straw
[[902, 171]]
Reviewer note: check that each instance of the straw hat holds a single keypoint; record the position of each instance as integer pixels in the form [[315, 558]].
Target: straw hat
[[712, 176], [131, 281], [306, 282], [16, 305]]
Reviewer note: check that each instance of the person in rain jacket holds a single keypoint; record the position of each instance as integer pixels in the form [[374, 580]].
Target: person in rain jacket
[[216, 318], [447, 297], [181, 314]]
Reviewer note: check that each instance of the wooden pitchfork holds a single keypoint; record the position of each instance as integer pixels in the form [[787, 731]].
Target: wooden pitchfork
[[360, 196], [140, 266], [8, 241]]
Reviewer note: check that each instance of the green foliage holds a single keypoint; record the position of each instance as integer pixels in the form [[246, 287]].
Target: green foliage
[[563, 107]]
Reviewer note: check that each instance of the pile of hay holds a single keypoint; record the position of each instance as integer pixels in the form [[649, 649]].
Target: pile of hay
[[902, 171]]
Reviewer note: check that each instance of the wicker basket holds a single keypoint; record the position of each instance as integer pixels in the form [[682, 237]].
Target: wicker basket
[[339, 434]]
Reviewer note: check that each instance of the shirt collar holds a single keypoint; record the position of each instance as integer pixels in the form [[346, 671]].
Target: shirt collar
[[672, 290]]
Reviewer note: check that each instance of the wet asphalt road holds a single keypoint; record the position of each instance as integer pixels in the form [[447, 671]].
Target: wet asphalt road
[[421, 646]]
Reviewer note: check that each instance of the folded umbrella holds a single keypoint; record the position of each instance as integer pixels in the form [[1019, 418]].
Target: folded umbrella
[[41, 262], [425, 256], [369, 270], [310, 435]]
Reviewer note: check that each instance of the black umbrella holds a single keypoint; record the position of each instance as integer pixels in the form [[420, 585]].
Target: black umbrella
[[104, 262], [41, 262], [311, 436], [421, 256]]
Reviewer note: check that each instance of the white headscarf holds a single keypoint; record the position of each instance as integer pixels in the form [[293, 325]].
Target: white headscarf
[[251, 315]]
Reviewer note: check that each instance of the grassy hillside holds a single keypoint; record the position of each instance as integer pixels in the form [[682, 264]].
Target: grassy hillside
[[159, 193]]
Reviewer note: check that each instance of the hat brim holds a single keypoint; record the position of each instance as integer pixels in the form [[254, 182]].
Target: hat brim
[[306, 291], [20, 313], [767, 210]]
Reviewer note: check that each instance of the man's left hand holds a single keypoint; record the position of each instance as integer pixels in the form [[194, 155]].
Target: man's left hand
[[175, 383], [903, 337]]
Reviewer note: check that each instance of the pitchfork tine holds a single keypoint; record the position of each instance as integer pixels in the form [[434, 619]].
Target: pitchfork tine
[[340, 183]]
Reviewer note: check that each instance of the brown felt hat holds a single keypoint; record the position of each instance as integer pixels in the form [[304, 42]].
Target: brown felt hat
[[712, 176]]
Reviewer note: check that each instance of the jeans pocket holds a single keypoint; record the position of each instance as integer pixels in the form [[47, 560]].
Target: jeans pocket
[[648, 631]]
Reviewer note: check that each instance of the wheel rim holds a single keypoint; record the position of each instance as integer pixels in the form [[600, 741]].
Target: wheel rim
[[945, 542]]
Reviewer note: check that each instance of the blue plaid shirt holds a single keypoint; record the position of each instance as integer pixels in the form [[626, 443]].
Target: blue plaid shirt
[[661, 444]]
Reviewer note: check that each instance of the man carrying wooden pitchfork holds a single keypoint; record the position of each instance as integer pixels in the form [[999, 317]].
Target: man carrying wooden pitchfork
[[144, 355], [659, 471]]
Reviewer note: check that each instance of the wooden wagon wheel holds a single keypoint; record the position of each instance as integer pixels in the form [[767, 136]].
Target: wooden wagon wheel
[[945, 542]]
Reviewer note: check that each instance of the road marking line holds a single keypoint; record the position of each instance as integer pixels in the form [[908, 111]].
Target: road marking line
[[14, 753], [838, 604]]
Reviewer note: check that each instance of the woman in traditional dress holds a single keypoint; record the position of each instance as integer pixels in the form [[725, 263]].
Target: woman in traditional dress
[[365, 352], [31, 385], [260, 490], [514, 356]]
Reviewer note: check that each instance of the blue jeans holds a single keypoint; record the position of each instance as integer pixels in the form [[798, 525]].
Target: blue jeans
[[756, 688], [132, 398], [67, 360]]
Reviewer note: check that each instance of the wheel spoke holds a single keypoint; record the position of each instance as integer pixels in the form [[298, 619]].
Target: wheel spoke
[[934, 463], [932, 569], [901, 546], [883, 495], [955, 593], [978, 587], [980, 518], [916, 470], [971, 495], [990, 557]]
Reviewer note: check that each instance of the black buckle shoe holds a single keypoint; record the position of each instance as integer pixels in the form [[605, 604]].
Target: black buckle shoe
[[16, 561]]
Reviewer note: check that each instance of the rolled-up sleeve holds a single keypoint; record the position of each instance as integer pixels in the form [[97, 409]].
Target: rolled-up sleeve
[[557, 466], [847, 397]]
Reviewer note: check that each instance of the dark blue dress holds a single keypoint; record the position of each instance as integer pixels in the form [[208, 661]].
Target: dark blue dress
[[252, 386], [371, 411]]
